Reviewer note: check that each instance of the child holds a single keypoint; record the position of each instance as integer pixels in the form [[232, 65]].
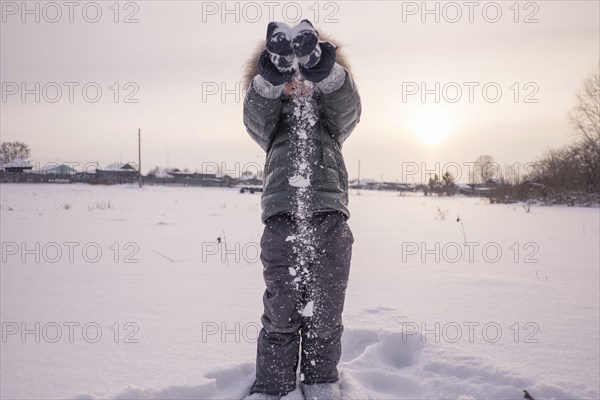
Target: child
[[300, 107]]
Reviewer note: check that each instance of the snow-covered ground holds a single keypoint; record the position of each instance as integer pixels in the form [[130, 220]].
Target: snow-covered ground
[[121, 292]]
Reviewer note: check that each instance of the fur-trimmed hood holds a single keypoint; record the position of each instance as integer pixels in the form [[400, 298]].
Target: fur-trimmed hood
[[250, 70]]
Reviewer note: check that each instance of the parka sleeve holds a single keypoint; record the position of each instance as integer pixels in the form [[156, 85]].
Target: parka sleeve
[[341, 103], [262, 107]]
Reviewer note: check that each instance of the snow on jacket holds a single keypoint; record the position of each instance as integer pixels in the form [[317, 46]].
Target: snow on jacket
[[269, 119]]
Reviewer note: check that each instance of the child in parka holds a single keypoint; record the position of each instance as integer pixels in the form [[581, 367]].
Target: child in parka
[[300, 107]]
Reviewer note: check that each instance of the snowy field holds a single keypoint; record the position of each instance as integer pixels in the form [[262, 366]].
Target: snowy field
[[121, 292]]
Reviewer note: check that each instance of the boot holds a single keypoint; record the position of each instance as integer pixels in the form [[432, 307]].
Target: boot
[[322, 391]]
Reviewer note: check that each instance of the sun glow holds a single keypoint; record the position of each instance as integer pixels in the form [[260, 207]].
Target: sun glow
[[432, 125]]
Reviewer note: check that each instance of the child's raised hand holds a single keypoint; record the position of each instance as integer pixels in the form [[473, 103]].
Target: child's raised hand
[[279, 38], [305, 39], [291, 48], [316, 59], [276, 62], [319, 64]]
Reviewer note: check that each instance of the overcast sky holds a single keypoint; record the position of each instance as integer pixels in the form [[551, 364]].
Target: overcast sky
[[179, 56]]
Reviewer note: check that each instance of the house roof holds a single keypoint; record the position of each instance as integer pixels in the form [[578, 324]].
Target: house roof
[[119, 167], [61, 169], [161, 172], [18, 163]]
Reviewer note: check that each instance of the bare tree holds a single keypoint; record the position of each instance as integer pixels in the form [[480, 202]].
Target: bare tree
[[570, 168], [11, 150], [585, 115], [484, 168]]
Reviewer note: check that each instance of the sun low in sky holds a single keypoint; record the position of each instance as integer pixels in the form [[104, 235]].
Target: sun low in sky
[[433, 125]]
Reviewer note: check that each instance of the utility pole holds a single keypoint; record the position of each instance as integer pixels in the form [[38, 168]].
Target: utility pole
[[140, 154], [358, 183]]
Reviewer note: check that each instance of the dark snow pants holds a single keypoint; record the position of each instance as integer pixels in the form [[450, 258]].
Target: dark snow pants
[[303, 303]]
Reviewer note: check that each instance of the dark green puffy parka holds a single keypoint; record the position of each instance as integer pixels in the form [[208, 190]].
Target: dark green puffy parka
[[271, 118]]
